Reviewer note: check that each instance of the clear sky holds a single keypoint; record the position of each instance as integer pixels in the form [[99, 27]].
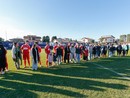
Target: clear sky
[[64, 18]]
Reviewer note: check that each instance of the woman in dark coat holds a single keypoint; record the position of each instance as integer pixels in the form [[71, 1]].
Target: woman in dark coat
[[2, 58], [104, 51], [94, 51], [67, 53]]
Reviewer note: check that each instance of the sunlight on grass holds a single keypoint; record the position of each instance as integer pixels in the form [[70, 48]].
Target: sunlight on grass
[[68, 80]]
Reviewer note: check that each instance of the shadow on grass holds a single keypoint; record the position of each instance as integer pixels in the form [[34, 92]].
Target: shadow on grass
[[63, 80]]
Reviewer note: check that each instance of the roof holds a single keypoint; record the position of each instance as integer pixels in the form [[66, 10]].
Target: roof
[[107, 36], [87, 38]]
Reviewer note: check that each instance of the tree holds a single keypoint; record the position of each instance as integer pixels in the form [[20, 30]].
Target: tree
[[1, 39], [47, 39], [92, 41], [53, 38], [128, 37], [122, 38], [44, 39]]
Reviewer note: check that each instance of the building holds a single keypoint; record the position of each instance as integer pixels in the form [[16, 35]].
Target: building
[[87, 40], [32, 38], [16, 40], [107, 39], [64, 40]]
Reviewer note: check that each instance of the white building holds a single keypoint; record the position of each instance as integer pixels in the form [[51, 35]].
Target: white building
[[87, 40], [107, 39]]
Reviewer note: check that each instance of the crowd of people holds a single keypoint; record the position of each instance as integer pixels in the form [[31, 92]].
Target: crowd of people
[[57, 54]]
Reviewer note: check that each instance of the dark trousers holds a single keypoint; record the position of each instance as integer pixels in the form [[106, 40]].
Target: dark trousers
[[67, 57]]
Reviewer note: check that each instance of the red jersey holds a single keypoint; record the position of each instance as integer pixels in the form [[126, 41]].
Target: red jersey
[[47, 49], [62, 47], [55, 48], [39, 49], [25, 49], [86, 52]]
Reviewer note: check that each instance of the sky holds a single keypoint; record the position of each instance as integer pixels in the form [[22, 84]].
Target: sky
[[64, 18]]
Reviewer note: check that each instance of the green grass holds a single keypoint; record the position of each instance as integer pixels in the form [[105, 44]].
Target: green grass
[[71, 80]]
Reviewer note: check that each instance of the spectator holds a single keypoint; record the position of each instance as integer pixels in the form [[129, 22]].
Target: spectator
[[50, 59], [67, 53], [72, 53], [15, 55], [78, 52], [127, 50], [35, 57], [2, 58], [59, 54], [119, 49]]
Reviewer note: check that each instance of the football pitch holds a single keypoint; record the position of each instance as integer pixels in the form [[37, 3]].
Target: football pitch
[[99, 78]]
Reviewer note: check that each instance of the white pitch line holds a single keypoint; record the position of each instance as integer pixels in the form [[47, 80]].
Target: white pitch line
[[119, 74]]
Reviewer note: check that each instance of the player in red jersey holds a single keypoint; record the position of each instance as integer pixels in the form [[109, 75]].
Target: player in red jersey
[[39, 51], [26, 53], [47, 51], [55, 47], [81, 55]]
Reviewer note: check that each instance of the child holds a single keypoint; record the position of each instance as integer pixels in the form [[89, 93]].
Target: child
[[50, 59], [54, 58]]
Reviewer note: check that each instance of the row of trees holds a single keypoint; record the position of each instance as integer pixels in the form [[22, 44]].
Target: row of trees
[[1, 39], [47, 38]]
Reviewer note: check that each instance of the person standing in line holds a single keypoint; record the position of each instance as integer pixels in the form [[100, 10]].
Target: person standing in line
[[19, 54], [98, 50], [90, 49], [72, 53], [119, 49], [94, 51], [50, 59], [6, 67], [62, 47], [59, 54], [55, 58], [67, 53], [55, 47], [2, 58], [47, 51], [85, 54], [35, 57], [26, 53], [111, 50], [82, 48], [15, 55], [39, 51], [127, 50], [78, 52], [124, 48], [104, 51]]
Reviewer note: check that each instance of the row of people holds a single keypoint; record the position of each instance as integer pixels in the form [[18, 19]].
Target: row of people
[[58, 54]]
